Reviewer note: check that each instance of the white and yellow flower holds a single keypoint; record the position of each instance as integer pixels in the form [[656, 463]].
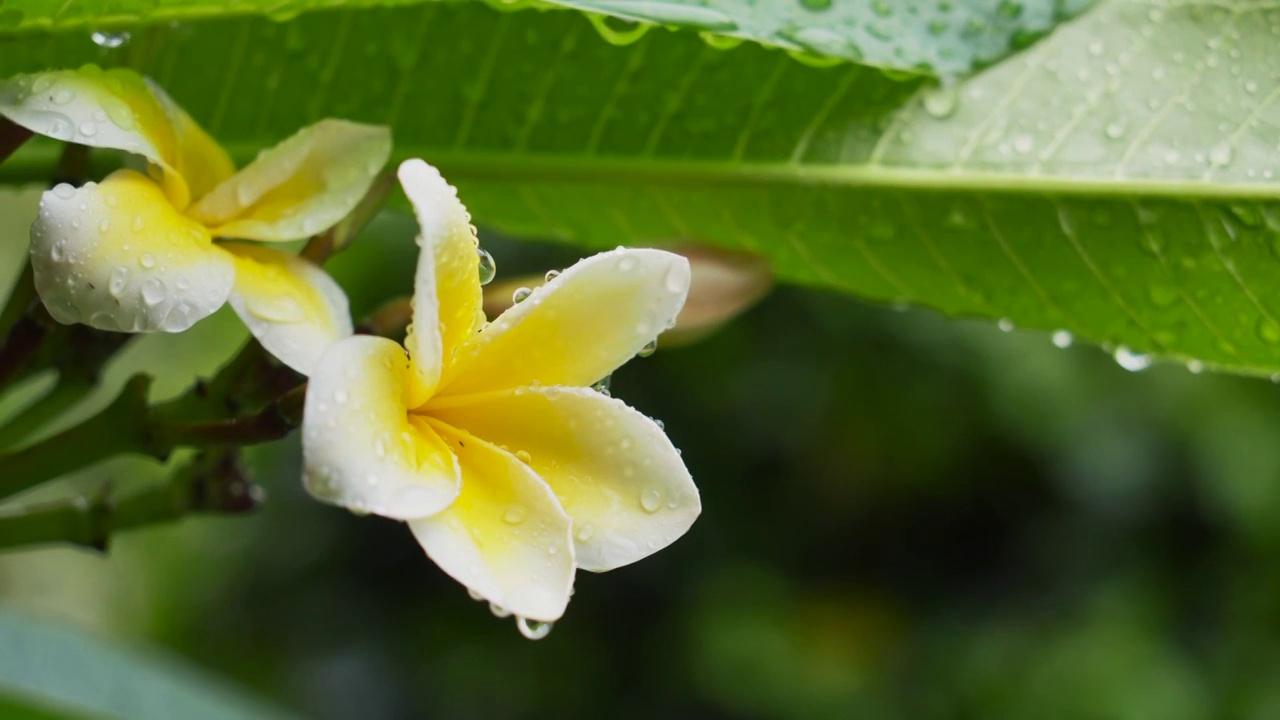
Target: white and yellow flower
[[147, 252], [487, 438]]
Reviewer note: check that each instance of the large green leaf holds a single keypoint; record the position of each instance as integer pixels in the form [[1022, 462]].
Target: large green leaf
[[48, 672], [1116, 181], [940, 36]]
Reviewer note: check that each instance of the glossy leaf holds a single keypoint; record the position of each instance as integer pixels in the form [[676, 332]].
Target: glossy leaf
[[945, 37], [1116, 181], [48, 671]]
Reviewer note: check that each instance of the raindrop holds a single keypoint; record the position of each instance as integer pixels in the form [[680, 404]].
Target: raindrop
[[1130, 360], [1195, 367], [651, 500], [488, 268], [498, 610], [64, 191], [1063, 338], [650, 348], [520, 294], [551, 275], [1023, 143], [940, 101], [602, 385], [523, 456], [153, 291], [514, 515], [1221, 154], [627, 33], [1115, 130], [533, 629], [475, 595], [1005, 325], [585, 532], [108, 40], [119, 279], [147, 260]]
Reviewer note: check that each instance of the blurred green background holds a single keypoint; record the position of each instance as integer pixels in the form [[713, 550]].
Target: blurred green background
[[904, 516]]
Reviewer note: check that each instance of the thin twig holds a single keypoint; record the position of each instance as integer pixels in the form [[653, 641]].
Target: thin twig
[[213, 482]]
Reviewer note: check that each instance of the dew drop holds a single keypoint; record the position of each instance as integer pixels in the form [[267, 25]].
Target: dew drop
[[1063, 338], [1115, 130], [64, 191], [940, 101], [651, 500], [523, 457], [514, 515], [1005, 325], [1195, 367], [153, 291], [650, 348], [498, 610], [1130, 360], [147, 260], [108, 40], [551, 275], [520, 295], [119, 279], [1221, 154], [488, 268], [585, 532], [533, 629], [475, 595]]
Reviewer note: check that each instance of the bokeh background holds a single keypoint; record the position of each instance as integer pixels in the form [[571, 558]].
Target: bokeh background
[[904, 516]]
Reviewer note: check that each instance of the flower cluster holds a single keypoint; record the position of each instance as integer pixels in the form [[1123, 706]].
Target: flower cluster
[[486, 438]]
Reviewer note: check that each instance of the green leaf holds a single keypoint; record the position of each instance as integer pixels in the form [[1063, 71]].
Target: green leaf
[[48, 671], [946, 37], [1117, 181]]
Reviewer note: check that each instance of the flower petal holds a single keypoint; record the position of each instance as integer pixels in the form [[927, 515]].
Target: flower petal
[[447, 297], [505, 537], [577, 328], [123, 110], [614, 470], [116, 255], [360, 450], [300, 187], [292, 306]]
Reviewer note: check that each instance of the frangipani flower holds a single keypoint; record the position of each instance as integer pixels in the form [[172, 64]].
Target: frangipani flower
[[487, 439], [145, 253]]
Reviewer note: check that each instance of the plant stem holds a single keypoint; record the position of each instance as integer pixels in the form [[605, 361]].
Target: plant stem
[[20, 299], [118, 429], [213, 482], [12, 137], [69, 391], [23, 342]]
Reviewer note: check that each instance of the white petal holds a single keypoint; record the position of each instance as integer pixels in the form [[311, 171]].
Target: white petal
[[118, 256], [290, 305], [361, 450], [613, 469], [447, 296], [577, 328], [300, 187], [505, 537]]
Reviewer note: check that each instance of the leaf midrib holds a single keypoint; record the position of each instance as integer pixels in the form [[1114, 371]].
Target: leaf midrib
[[615, 171]]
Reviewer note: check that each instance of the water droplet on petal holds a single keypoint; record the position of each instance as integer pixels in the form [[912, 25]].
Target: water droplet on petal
[[64, 191], [488, 268], [940, 101], [650, 348], [533, 629], [498, 610], [147, 260], [514, 515], [585, 532], [651, 500], [552, 275], [521, 294]]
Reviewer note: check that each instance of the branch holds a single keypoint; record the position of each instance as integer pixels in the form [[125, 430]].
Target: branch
[[120, 428], [12, 137], [213, 482]]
